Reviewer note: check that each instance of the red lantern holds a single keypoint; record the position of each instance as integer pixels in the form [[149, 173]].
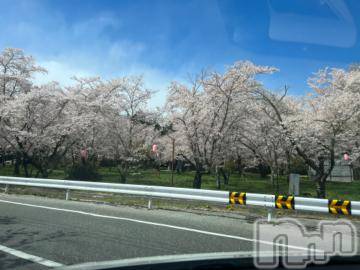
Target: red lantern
[[83, 154], [154, 148]]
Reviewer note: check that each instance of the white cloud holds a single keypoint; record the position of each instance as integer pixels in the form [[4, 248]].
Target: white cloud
[[60, 72], [85, 49], [125, 51], [95, 26], [62, 69]]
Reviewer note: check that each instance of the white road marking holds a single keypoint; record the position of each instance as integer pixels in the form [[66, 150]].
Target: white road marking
[[158, 224], [30, 257]]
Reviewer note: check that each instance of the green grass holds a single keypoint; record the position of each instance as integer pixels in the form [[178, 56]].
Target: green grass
[[247, 183]]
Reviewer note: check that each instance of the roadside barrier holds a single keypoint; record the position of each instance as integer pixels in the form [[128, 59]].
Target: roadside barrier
[[332, 206]]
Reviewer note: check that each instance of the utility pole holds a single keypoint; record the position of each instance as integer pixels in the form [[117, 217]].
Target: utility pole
[[172, 161]]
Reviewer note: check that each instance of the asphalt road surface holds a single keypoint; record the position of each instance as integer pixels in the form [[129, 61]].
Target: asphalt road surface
[[40, 233]]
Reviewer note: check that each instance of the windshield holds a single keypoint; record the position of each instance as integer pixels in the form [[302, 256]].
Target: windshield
[[131, 129]]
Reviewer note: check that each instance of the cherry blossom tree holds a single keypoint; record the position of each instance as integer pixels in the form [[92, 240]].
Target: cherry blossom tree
[[41, 126], [321, 126], [208, 111], [44, 124], [263, 138], [127, 120], [16, 72], [92, 97], [217, 116]]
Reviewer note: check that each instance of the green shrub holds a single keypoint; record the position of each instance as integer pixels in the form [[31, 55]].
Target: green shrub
[[298, 166], [83, 171], [105, 162]]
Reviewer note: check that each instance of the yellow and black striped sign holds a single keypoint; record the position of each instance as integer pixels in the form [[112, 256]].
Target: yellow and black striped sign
[[284, 202], [237, 198], [340, 207]]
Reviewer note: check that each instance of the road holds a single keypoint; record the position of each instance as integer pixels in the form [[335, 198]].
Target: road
[[38, 233]]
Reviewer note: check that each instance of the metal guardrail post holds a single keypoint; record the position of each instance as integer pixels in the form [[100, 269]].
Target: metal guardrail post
[[6, 189], [150, 203], [269, 214], [67, 195]]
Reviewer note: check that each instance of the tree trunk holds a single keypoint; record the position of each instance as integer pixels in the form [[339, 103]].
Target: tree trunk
[[73, 158], [224, 175], [197, 179], [44, 173], [17, 165], [321, 187], [277, 180], [123, 171], [272, 178], [227, 177], [321, 179], [288, 166], [239, 166], [263, 170], [25, 166], [3, 158], [218, 180], [40, 169]]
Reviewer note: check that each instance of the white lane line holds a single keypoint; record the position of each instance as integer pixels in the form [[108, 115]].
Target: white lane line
[[157, 224], [30, 257]]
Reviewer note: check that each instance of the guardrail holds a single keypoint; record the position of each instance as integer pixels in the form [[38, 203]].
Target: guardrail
[[339, 207]]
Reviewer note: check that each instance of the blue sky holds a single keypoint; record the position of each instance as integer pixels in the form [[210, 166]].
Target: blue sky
[[167, 40]]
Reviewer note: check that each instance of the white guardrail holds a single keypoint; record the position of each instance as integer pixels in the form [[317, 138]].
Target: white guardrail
[[341, 207]]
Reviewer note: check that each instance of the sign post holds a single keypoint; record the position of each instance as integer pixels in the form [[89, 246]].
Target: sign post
[[294, 184]]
